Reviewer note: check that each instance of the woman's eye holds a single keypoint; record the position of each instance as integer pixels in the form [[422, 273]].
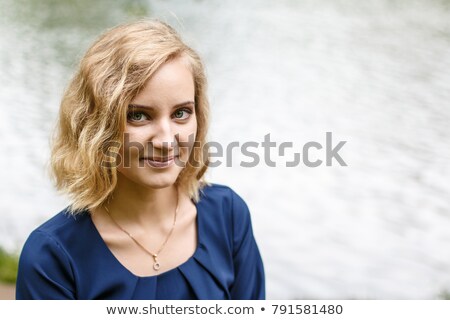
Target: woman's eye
[[182, 114], [136, 116]]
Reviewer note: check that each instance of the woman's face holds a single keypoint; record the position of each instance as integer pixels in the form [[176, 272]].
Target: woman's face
[[161, 128]]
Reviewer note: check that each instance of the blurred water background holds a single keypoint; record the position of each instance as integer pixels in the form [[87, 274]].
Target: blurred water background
[[374, 73]]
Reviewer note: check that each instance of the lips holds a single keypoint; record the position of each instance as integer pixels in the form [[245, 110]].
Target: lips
[[158, 159], [159, 162]]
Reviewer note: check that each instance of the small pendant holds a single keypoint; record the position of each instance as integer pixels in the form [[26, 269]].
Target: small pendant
[[156, 264]]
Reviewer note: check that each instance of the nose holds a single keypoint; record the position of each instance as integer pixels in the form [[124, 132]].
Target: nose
[[163, 138]]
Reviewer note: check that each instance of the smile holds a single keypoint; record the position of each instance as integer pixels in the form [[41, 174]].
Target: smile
[[156, 162]]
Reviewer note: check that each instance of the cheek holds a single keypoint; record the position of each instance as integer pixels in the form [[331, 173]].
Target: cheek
[[186, 137], [188, 131], [133, 147]]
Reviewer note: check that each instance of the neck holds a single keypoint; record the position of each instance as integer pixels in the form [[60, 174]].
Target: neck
[[132, 203]]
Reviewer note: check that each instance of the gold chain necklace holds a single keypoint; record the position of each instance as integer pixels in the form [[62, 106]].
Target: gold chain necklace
[[156, 264]]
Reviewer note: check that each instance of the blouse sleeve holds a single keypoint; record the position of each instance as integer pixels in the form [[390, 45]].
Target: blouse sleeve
[[249, 282], [44, 270]]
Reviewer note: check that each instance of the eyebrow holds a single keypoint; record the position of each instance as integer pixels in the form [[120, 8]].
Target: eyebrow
[[182, 104]]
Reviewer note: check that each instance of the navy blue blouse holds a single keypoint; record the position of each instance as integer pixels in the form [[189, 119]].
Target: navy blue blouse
[[66, 258]]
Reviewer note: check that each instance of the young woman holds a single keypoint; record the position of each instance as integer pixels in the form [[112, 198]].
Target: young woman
[[130, 151]]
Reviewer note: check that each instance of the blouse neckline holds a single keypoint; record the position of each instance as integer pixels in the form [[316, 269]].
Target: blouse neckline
[[116, 261]]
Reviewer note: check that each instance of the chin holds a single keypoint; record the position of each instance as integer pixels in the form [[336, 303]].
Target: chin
[[150, 180], [158, 184]]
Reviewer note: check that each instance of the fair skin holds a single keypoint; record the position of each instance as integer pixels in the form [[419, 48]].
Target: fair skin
[[161, 116]]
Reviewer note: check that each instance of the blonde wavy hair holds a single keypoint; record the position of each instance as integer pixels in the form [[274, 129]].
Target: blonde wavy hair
[[92, 115]]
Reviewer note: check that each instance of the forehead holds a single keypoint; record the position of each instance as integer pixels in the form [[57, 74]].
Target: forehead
[[171, 84]]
